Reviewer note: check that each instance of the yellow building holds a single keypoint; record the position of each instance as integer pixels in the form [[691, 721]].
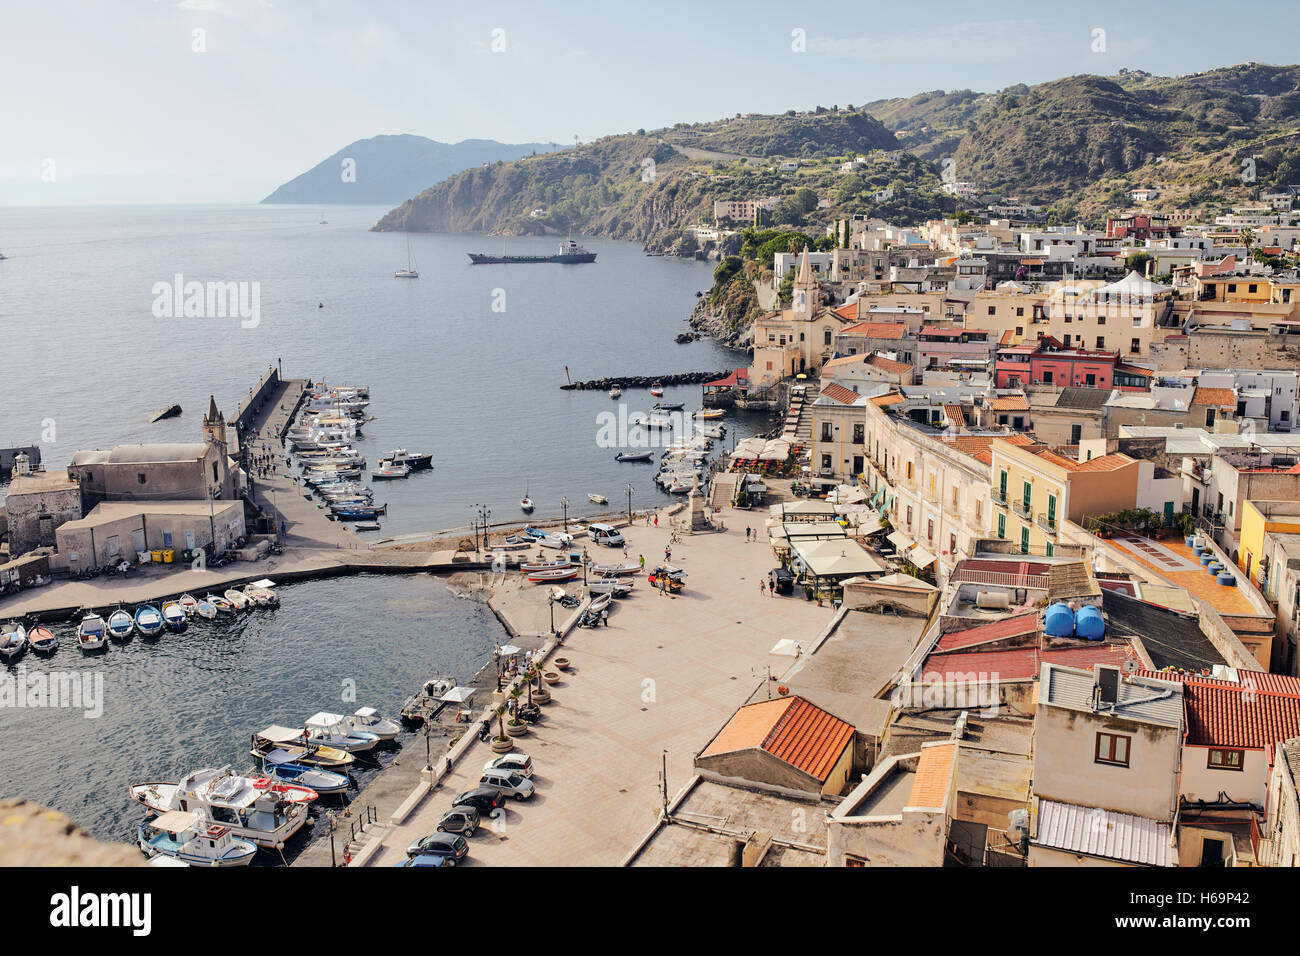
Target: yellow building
[[1259, 518], [1034, 490], [797, 339]]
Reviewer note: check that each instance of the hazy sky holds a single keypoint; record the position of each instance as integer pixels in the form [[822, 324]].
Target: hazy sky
[[115, 93]]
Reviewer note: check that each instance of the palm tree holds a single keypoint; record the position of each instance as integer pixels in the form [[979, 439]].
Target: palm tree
[[501, 722]]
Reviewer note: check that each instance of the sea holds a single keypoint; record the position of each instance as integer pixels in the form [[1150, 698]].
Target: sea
[[465, 362]]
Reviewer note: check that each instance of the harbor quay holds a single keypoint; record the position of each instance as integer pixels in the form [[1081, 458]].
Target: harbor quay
[[643, 693]]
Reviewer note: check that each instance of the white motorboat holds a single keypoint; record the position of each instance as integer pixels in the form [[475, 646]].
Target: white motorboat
[[368, 720], [189, 838], [92, 634], [255, 808], [263, 593], [389, 472], [333, 730], [615, 392], [597, 499], [279, 763], [416, 461], [13, 640], [526, 504], [238, 598]]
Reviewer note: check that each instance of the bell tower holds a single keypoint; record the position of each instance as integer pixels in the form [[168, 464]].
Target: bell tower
[[806, 292], [214, 425]]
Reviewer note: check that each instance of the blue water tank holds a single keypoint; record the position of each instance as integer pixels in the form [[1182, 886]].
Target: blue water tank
[[1207, 557], [1196, 548], [1190, 541], [1059, 620], [1227, 579], [1089, 623], [1214, 567]]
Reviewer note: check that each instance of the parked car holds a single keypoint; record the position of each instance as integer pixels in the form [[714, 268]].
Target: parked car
[[483, 799], [428, 859], [605, 534], [781, 581], [521, 764], [508, 783], [450, 846], [462, 820]]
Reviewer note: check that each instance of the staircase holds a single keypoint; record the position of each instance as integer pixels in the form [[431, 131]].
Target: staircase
[[798, 418]]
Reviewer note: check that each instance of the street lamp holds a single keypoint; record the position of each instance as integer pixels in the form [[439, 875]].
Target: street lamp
[[629, 490], [564, 502], [550, 599]]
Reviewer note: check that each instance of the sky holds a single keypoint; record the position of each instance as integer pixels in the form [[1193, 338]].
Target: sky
[[123, 101]]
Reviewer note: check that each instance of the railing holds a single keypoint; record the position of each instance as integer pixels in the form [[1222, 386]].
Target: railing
[[999, 497], [1019, 507], [1047, 523]]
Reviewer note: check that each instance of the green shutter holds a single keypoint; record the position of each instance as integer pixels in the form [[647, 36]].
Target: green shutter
[[1024, 540], [1002, 526], [1051, 509]]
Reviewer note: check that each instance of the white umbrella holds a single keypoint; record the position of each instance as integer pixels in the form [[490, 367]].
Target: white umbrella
[[458, 695], [508, 651]]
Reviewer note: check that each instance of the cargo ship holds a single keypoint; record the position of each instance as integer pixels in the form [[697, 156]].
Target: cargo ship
[[570, 252]]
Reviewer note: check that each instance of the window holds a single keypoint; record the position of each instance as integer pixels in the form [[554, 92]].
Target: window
[[952, 544], [1050, 550], [1101, 320], [1221, 758], [1112, 749], [858, 434], [1020, 310], [140, 478], [1135, 346], [1076, 432], [826, 431], [1253, 288], [993, 310], [827, 338], [909, 472], [979, 510], [1002, 526], [1101, 341], [1020, 330], [909, 517], [929, 530]]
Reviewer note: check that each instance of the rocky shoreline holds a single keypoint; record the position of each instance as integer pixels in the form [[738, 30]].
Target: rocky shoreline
[[719, 326], [645, 381]]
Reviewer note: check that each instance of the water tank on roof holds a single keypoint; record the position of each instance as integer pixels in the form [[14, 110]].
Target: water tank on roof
[[1227, 579], [993, 600], [1207, 557], [1059, 621], [1089, 623]]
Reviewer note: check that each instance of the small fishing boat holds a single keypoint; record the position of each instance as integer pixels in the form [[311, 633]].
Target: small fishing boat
[[121, 626], [368, 719], [612, 586], [614, 570], [279, 765], [554, 574], [148, 621], [359, 512], [13, 640], [333, 730], [222, 605], [598, 499], [276, 737], [238, 598], [92, 634], [174, 617], [669, 406], [390, 472], [710, 413], [599, 603], [415, 461], [42, 640], [526, 504], [262, 593], [634, 456], [188, 604], [657, 389], [546, 565], [256, 808], [206, 610], [615, 392], [189, 838]]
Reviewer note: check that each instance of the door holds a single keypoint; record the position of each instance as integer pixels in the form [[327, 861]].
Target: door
[[139, 540], [1002, 526], [1024, 540], [1051, 511], [1027, 496], [1169, 513], [1002, 486]]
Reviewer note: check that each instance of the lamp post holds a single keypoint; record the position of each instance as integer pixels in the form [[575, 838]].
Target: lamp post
[[564, 503], [629, 490], [484, 513], [550, 600], [496, 655]]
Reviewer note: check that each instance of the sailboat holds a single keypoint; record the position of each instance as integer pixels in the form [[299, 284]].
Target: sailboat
[[410, 271], [526, 503]]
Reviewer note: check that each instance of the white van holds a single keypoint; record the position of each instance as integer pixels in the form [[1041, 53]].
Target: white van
[[605, 534]]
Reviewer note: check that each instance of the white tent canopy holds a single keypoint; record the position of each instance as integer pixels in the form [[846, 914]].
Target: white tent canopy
[[787, 648], [836, 558], [1131, 288]]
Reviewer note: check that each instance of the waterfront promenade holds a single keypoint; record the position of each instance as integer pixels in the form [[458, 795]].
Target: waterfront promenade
[[662, 677]]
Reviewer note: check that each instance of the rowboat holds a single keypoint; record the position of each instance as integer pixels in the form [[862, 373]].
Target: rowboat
[[368, 719], [615, 392], [611, 586], [148, 621], [238, 598], [121, 626], [256, 808], [657, 389], [91, 633], [710, 413], [634, 456], [615, 570], [276, 737], [546, 566], [554, 574], [174, 617], [222, 605], [599, 603], [13, 640], [279, 764], [598, 499], [188, 604], [189, 838], [205, 609], [42, 640]]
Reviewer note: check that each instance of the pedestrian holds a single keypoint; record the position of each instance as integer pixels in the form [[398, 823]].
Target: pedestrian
[[748, 532], [656, 519], [762, 587], [604, 616], [625, 549], [668, 552], [642, 557]]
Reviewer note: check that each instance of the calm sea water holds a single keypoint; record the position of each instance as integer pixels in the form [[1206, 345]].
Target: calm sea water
[[86, 361], [465, 362]]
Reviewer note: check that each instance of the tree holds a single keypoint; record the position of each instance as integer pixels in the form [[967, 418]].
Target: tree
[[1137, 262]]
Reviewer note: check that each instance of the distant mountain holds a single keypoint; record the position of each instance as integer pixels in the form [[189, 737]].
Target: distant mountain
[[390, 169]]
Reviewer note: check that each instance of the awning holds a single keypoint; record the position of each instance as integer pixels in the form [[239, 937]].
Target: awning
[[869, 524], [787, 648], [920, 557], [173, 821], [900, 541], [508, 651], [458, 695], [280, 735]]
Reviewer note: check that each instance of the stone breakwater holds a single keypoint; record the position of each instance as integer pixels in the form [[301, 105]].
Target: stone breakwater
[[645, 381]]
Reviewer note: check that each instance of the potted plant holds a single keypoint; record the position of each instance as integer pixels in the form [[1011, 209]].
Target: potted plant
[[501, 743], [551, 677], [561, 664]]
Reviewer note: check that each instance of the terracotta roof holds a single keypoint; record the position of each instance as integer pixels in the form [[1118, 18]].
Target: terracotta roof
[[1008, 337], [877, 330], [1217, 397], [789, 728], [736, 377], [955, 417], [933, 775], [1229, 715], [1009, 403], [977, 446], [1019, 663], [969, 637], [1247, 680], [892, 398], [1104, 463], [849, 310], [840, 394], [935, 330], [889, 365], [1134, 369]]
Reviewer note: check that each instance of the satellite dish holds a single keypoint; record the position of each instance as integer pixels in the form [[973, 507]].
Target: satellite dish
[[1130, 666]]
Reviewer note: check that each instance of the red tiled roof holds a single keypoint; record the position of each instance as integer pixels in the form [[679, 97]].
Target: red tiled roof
[[988, 633], [1136, 370], [955, 417], [877, 330], [791, 729], [1007, 337], [1256, 712], [933, 774], [977, 446], [1009, 403], [838, 393], [892, 398], [849, 310], [1104, 463], [1246, 680], [888, 364], [934, 330], [1218, 397], [737, 377], [1020, 663]]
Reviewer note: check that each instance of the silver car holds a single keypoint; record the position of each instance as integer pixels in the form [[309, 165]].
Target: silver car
[[507, 783], [521, 764]]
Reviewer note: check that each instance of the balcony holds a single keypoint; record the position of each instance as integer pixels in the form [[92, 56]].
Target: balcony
[[1019, 507], [1047, 522], [999, 497]]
